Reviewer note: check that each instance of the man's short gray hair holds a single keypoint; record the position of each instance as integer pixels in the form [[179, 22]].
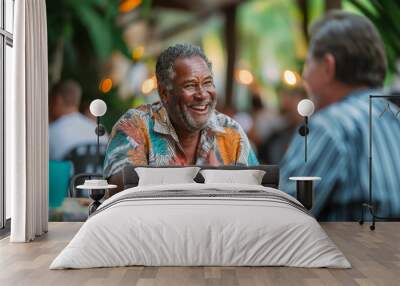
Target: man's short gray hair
[[355, 44], [165, 64]]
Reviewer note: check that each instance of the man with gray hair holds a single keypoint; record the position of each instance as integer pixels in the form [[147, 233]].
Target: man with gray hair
[[183, 128], [346, 63]]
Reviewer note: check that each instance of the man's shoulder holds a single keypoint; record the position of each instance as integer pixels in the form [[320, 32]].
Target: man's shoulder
[[347, 113], [75, 119], [144, 111], [355, 104], [222, 122], [342, 120]]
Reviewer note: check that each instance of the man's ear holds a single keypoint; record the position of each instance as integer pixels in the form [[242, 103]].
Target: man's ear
[[330, 66], [163, 93]]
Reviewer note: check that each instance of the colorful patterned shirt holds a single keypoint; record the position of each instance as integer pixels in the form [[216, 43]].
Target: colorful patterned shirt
[[145, 136]]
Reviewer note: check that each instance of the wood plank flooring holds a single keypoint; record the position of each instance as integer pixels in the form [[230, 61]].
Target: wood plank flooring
[[374, 255]]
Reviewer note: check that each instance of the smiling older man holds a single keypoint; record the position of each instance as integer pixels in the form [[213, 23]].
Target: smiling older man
[[183, 128]]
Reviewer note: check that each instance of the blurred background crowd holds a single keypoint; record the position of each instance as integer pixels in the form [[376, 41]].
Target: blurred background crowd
[[107, 49]]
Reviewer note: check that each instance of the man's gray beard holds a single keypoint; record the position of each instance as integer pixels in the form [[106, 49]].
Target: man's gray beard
[[190, 123]]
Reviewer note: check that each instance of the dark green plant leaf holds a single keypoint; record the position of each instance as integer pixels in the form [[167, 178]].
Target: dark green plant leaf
[[97, 27]]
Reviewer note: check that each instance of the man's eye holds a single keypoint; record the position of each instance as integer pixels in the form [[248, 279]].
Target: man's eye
[[208, 83], [189, 86]]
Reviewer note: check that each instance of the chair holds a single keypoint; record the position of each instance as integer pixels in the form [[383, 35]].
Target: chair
[[84, 158], [59, 174], [85, 165]]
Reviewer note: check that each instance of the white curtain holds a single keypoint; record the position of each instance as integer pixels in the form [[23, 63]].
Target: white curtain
[[27, 124]]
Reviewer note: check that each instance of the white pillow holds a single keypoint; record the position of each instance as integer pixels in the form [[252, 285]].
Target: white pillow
[[163, 176], [248, 177]]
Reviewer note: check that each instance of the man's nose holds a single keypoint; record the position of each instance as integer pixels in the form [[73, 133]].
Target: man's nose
[[201, 93]]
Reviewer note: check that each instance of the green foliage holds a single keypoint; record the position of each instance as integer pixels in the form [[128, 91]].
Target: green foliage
[[385, 15], [83, 25], [98, 27], [85, 34]]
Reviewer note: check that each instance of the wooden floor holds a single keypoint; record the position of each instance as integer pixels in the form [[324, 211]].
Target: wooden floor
[[374, 255]]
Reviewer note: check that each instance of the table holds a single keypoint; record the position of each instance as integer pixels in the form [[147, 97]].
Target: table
[[304, 190]]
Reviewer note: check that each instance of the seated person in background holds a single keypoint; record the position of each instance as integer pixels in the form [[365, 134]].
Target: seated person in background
[[273, 148], [346, 62], [183, 128], [68, 128]]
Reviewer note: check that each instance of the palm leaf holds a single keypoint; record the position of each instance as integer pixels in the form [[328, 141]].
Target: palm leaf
[[97, 27]]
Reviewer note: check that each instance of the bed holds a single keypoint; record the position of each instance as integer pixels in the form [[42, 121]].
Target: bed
[[201, 224]]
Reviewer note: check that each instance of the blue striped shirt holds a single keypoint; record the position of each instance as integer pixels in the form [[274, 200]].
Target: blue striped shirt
[[338, 146]]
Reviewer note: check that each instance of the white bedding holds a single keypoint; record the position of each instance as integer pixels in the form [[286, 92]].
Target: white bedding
[[185, 230]]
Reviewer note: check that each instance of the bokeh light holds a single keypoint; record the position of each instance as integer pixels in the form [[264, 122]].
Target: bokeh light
[[137, 53], [128, 5], [105, 85], [149, 85], [290, 77], [244, 77]]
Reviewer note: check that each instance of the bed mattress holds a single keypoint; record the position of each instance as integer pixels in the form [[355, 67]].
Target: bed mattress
[[201, 225]]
